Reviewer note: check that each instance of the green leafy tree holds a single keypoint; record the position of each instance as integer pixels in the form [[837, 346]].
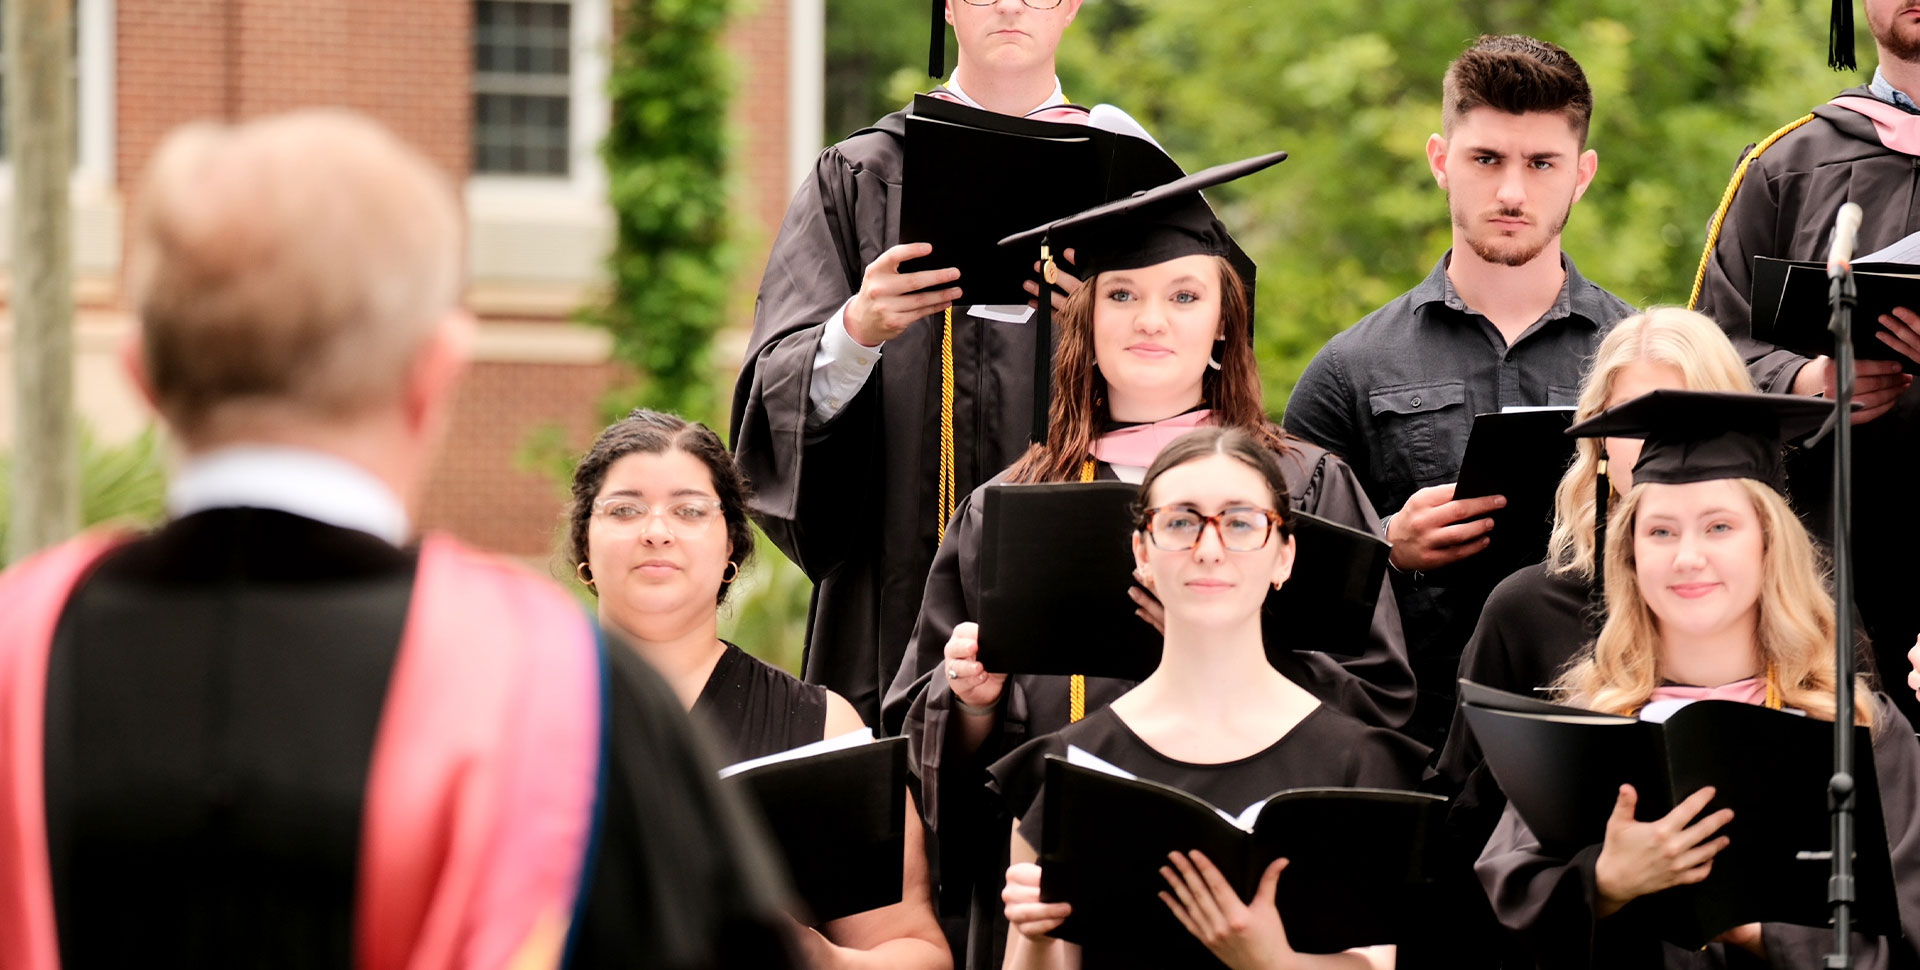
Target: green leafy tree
[[1353, 90], [666, 156]]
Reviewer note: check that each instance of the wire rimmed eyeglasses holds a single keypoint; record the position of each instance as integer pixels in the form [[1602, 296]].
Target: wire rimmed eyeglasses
[[1035, 4], [685, 518], [1241, 528]]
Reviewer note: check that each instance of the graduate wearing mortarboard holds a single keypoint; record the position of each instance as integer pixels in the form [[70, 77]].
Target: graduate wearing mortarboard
[[1540, 617], [838, 417], [1714, 591], [1156, 344]]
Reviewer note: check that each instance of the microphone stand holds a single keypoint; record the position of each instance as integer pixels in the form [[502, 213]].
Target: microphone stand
[[1842, 294]]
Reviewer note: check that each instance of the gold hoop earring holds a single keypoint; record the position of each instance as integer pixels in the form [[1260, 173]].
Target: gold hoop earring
[[732, 573], [584, 573]]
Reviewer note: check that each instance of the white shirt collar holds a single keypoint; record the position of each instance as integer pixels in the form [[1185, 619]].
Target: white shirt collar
[[1054, 100], [306, 483]]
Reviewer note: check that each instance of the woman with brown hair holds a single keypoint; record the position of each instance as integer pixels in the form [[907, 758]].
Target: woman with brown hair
[[1155, 343]]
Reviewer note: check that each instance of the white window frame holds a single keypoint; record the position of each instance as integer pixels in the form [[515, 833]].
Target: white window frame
[[582, 191]]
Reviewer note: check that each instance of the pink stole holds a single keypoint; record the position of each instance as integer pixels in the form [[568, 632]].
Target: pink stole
[[1898, 130], [1753, 690], [480, 797], [1141, 443]]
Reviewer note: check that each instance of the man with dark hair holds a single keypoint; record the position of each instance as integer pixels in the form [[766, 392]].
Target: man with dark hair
[[1863, 146], [1504, 320]]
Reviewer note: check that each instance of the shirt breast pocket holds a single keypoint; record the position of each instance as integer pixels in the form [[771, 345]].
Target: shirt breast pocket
[[1420, 431]]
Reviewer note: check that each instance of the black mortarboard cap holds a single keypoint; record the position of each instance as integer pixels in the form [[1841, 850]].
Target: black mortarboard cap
[[1840, 37], [1151, 226], [1698, 436]]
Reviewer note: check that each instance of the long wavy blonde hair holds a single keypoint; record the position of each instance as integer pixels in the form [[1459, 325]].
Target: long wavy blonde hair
[[1676, 336], [1795, 630]]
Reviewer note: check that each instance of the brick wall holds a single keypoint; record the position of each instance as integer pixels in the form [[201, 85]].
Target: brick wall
[[758, 41], [406, 63]]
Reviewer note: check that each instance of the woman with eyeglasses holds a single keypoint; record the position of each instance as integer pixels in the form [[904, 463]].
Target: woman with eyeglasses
[[658, 530], [1215, 719], [1156, 342]]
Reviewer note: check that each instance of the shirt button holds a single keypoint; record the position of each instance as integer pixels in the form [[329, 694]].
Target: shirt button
[[866, 360], [1416, 401], [833, 402]]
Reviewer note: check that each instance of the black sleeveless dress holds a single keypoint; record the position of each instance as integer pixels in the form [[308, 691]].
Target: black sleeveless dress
[[753, 708]]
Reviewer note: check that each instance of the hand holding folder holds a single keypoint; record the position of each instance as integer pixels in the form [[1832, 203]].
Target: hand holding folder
[[1359, 860], [1562, 767], [1057, 562]]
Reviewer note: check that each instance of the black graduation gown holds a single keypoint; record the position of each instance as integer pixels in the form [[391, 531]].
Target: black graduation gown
[[855, 504], [1785, 208], [1326, 749], [1532, 624], [214, 692], [1376, 687], [1548, 901], [754, 709]]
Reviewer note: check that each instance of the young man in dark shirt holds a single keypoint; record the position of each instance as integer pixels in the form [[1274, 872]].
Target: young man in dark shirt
[[1504, 320]]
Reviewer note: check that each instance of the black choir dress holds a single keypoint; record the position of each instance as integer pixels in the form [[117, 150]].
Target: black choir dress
[[1547, 900], [753, 708], [1326, 749], [1375, 686]]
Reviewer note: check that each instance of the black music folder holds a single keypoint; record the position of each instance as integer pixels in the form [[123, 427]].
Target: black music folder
[[1360, 860], [1056, 562], [1790, 307], [1562, 768], [1520, 453], [972, 178], [837, 812]]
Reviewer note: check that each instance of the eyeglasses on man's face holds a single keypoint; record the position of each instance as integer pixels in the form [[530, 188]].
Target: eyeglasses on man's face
[[1241, 528], [685, 518], [1035, 4]]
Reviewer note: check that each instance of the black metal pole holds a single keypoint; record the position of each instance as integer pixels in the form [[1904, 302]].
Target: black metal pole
[[1840, 788]]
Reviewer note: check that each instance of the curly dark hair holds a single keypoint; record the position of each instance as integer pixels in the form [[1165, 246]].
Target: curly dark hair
[[654, 433]]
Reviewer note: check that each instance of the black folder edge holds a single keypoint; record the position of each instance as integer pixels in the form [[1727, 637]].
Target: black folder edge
[[1421, 871], [1768, 294], [894, 750], [1368, 586]]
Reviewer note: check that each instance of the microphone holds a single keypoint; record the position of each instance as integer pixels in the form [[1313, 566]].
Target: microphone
[[1846, 230]]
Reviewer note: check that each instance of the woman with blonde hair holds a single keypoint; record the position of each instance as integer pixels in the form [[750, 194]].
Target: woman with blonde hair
[[1539, 617], [1714, 591]]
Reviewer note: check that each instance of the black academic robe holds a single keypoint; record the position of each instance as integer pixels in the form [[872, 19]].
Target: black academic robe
[[1532, 624], [1547, 901], [1376, 687], [213, 697], [855, 504], [1785, 208]]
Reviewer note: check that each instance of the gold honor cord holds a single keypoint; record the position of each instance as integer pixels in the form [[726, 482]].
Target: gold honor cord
[[947, 497], [1726, 202], [1077, 684]]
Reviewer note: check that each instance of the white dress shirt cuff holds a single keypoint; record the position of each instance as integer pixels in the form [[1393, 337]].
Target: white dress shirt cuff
[[840, 369]]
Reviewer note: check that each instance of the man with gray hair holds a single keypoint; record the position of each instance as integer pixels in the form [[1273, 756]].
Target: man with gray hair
[[283, 731]]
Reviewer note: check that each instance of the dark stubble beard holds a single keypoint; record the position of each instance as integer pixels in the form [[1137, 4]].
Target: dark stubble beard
[[1901, 45], [1508, 257]]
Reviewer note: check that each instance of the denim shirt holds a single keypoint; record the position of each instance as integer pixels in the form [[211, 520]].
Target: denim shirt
[[1885, 91]]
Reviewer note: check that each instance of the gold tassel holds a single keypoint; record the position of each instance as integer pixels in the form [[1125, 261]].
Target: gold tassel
[[1077, 684], [948, 498]]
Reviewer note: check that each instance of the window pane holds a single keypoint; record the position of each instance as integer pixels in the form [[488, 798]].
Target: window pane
[[522, 59]]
